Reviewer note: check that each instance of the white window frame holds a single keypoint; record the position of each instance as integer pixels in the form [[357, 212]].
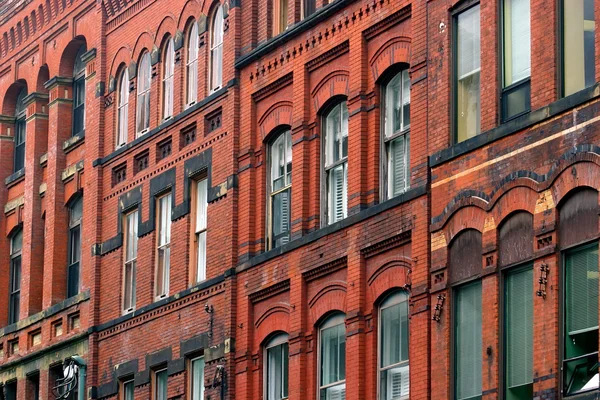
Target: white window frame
[[337, 318], [155, 388], [277, 340], [192, 66], [168, 78], [123, 109], [191, 370], [124, 385], [286, 136], [163, 244], [389, 135], [216, 49], [144, 85], [391, 300], [130, 248], [331, 165], [200, 228]]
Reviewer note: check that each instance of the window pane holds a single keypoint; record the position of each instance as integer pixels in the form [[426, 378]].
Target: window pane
[[333, 354], [20, 132], [405, 99], [517, 41], [129, 278], [74, 244], [132, 236], [518, 324], [336, 140], [169, 68], [16, 242], [201, 256], [198, 379], [161, 385], [164, 213], [338, 182], [578, 45], [192, 65], [73, 280], [128, 388], [468, 66], [468, 341], [337, 392], [201, 205], [281, 218], [398, 165], [162, 275], [393, 118], [274, 373]]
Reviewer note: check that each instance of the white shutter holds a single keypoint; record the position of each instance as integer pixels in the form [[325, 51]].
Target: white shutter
[[285, 215], [398, 383], [337, 393], [337, 187], [397, 157]]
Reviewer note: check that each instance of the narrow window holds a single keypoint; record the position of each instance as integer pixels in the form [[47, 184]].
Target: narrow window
[[580, 359], [332, 358], [467, 341], [517, 58], [579, 46], [123, 108], [33, 386], [280, 16], [393, 345], [192, 65], [20, 132], [336, 162], [276, 356], [128, 390], [10, 390], [216, 50], [160, 385], [518, 333], [197, 378], [468, 60], [164, 246], [280, 157], [200, 229], [79, 93], [308, 8], [14, 306], [396, 136], [75, 214], [168, 71], [144, 80], [129, 273]]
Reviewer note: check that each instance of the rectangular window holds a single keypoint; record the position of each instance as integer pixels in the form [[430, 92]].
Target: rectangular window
[[78, 106], [518, 333], [308, 8], [131, 246], [468, 65], [517, 58], [336, 162], [160, 385], [396, 135], [393, 351], [164, 246], [20, 130], [579, 48], [10, 391], [580, 355], [14, 306], [467, 341], [33, 386], [280, 16], [75, 215], [200, 229], [197, 378], [128, 390]]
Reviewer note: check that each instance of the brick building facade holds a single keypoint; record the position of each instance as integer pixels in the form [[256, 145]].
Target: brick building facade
[[300, 199]]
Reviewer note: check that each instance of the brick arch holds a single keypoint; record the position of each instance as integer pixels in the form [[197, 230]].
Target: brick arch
[[9, 101], [465, 198], [392, 273], [166, 28], [331, 297], [122, 57], [470, 217], [191, 9], [67, 60], [144, 42], [577, 175], [278, 114], [334, 84], [42, 77], [274, 319], [516, 198]]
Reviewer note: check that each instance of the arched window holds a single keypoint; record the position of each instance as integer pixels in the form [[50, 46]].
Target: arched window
[[393, 347], [336, 162], [79, 93], [144, 80], [216, 49], [332, 357], [75, 215], [20, 131], [123, 108], [280, 189], [192, 65], [396, 135], [168, 70], [14, 302], [276, 367]]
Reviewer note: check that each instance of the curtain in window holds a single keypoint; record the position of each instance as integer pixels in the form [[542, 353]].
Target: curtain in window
[[144, 81], [518, 325], [216, 51], [579, 49], [467, 337], [123, 108], [198, 379], [201, 208], [169, 68], [192, 65], [468, 67]]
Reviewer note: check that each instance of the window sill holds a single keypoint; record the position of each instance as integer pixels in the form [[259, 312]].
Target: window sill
[[74, 142], [515, 125], [15, 178]]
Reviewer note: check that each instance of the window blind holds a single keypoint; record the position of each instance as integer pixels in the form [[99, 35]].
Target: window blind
[[467, 339], [582, 290]]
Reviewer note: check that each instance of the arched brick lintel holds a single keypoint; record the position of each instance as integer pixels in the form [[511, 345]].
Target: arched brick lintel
[[392, 273], [334, 84], [331, 297], [272, 320], [394, 51], [277, 115]]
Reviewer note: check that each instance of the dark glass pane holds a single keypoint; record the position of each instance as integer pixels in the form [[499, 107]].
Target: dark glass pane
[[73, 280], [20, 131], [516, 100], [309, 7], [15, 274], [75, 244]]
